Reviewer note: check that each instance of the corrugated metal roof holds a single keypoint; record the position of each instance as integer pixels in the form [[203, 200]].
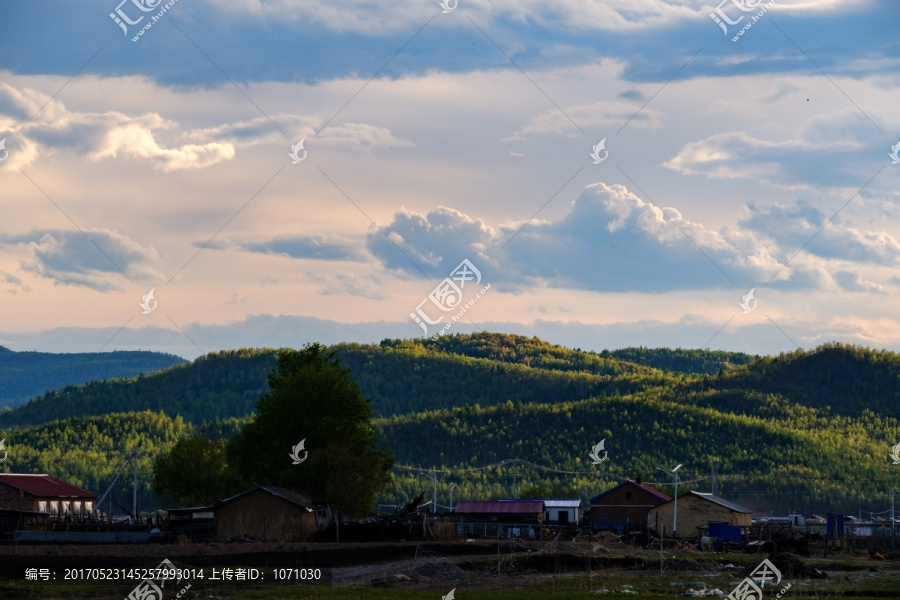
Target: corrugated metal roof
[[551, 502], [500, 506], [562, 503], [292, 497], [723, 502], [655, 493], [42, 485]]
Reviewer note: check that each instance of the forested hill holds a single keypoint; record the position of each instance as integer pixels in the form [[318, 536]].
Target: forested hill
[[809, 430], [401, 376], [681, 360], [834, 379], [24, 375]]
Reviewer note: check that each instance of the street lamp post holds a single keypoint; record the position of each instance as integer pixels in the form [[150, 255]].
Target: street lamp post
[[674, 474], [893, 493], [432, 477], [452, 487]]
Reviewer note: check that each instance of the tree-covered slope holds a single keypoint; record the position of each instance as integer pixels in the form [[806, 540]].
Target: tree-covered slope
[[400, 376], [681, 360], [806, 430], [24, 375], [799, 459], [836, 379], [90, 451], [215, 386]]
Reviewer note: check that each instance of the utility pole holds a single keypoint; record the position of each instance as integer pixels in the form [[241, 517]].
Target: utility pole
[[134, 508], [674, 473], [715, 478], [452, 487], [433, 478], [893, 493], [515, 474]]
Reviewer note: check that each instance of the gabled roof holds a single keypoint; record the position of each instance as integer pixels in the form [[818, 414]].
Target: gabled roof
[[721, 502], [500, 506], [292, 497], [44, 486], [551, 502], [645, 488]]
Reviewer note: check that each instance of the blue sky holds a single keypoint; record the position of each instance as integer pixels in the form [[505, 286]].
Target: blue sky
[[432, 138]]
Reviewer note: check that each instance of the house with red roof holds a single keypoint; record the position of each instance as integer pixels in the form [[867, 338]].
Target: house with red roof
[[625, 507], [40, 493]]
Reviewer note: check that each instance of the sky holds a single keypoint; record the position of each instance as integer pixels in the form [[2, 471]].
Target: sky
[[190, 176]]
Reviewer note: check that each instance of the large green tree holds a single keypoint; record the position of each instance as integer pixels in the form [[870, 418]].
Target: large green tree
[[313, 399], [195, 473]]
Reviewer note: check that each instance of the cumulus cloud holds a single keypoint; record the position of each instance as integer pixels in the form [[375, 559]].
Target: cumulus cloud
[[794, 226], [826, 149], [99, 136], [436, 242], [94, 259], [613, 241]]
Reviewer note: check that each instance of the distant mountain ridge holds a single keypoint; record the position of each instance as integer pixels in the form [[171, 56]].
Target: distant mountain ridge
[[24, 375]]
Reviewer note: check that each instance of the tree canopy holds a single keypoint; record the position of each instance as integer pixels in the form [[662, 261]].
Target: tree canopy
[[313, 399]]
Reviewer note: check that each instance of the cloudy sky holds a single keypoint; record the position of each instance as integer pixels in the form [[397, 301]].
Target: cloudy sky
[[616, 173]]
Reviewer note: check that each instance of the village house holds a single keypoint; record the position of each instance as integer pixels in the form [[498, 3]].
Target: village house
[[625, 507], [44, 494], [696, 510]]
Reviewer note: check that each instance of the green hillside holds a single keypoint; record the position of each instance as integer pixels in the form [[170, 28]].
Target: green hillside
[[90, 451], [400, 376], [809, 430], [835, 379], [681, 360], [24, 375]]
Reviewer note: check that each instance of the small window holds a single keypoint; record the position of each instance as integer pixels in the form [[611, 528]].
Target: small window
[[42, 506], [88, 506], [628, 495]]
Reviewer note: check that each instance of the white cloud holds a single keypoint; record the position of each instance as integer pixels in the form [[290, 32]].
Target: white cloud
[[608, 15], [95, 259], [98, 135]]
